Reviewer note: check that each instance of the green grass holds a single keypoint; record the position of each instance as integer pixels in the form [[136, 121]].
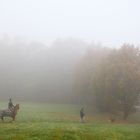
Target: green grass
[[61, 122]]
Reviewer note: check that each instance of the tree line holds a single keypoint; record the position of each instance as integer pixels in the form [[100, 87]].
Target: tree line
[[71, 71], [112, 77]]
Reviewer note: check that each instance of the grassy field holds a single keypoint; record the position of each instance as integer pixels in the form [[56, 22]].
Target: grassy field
[[61, 122]]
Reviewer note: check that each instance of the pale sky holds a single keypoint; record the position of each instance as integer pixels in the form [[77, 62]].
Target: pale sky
[[111, 22]]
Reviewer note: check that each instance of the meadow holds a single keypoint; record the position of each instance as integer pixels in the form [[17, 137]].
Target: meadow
[[38, 121]]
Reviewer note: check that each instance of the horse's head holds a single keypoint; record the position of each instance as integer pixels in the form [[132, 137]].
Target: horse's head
[[16, 107], [14, 112]]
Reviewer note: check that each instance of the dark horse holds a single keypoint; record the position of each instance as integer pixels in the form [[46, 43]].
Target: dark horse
[[9, 113]]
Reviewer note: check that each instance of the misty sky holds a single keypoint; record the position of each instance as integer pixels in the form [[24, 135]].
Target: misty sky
[[111, 22]]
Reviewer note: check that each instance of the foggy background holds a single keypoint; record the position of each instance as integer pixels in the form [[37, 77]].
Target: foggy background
[[41, 43], [37, 72], [109, 21]]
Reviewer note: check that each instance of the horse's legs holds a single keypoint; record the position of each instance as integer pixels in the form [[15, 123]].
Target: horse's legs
[[13, 118]]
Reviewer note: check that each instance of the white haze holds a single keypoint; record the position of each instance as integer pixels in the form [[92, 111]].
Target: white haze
[[111, 22]]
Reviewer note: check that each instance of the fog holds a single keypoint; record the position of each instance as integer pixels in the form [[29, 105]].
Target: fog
[[38, 72], [43, 42], [110, 22]]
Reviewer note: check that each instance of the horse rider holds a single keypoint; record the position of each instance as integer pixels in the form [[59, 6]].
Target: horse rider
[[10, 105]]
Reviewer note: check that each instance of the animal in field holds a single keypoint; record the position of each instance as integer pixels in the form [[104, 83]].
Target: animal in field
[[9, 113], [112, 120]]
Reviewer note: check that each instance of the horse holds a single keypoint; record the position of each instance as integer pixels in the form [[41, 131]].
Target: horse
[[9, 113]]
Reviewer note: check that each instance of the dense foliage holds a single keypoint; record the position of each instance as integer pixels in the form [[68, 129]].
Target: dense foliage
[[114, 79]]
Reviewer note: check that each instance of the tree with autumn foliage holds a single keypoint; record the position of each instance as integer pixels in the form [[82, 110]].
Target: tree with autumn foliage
[[116, 81], [85, 70]]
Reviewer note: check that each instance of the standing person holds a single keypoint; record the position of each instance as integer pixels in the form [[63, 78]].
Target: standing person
[[10, 105], [82, 115]]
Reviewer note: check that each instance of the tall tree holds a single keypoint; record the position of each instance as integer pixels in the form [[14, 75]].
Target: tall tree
[[116, 83], [85, 70]]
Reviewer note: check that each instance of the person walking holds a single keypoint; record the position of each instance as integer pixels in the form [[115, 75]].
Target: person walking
[[82, 115]]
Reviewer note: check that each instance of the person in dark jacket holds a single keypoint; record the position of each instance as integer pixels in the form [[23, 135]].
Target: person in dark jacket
[[82, 115], [10, 105]]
